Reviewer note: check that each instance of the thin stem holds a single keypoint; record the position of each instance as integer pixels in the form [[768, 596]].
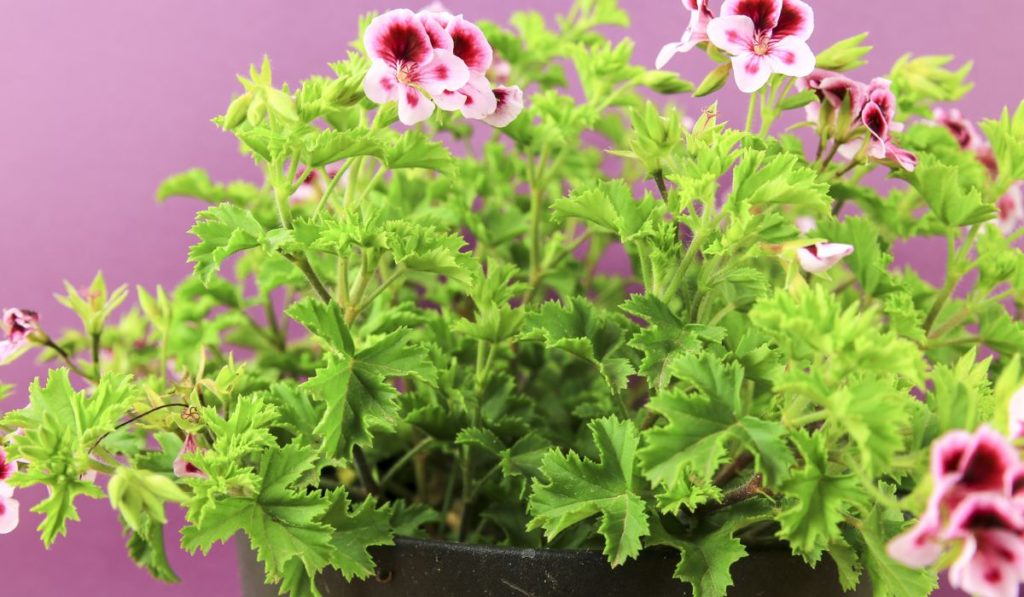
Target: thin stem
[[659, 178], [136, 418], [397, 466], [953, 276], [303, 264], [96, 353], [398, 273], [365, 471], [64, 356], [330, 187], [372, 183], [750, 112]]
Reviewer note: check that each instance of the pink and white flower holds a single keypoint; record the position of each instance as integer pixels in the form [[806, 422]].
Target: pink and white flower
[[10, 509], [963, 130], [991, 561], [696, 32], [18, 325], [1017, 414], [764, 37], [475, 99], [314, 185], [510, 105], [184, 468], [837, 92], [875, 108], [805, 224], [410, 66], [1011, 209], [820, 257]]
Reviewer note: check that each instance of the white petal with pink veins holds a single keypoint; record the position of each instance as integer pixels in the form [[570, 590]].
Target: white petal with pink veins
[[733, 34], [413, 107], [751, 72], [446, 72], [480, 99], [397, 36], [796, 19], [916, 547], [381, 85], [792, 57], [510, 105], [450, 101], [983, 569], [818, 258]]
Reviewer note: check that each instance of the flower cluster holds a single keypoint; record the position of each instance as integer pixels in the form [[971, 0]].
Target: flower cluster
[[435, 58], [1011, 204], [17, 325], [976, 505], [762, 36], [850, 109], [9, 507]]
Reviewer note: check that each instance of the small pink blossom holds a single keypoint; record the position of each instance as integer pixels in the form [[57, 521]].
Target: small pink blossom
[[836, 91], [9, 509], [500, 71], [963, 130], [7, 467], [1011, 209], [314, 185], [820, 257], [18, 325], [805, 224], [877, 115], [410, 65], [764, 37], [696, 32], [1017, 414], [184, 468], [510, 105]]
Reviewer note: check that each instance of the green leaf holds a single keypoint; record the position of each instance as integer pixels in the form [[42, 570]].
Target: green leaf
[[356, 529], [705, 563], [359, 400], [888, 578], [413, 149], [326, 321], [953, 202], [426, 249], [817, 500], [578, 489], [579, 329], [196, 184], [610, 207], [846, 54], [765, 179], [327, 147], [1007, 138], [281, 520], [222, 231]]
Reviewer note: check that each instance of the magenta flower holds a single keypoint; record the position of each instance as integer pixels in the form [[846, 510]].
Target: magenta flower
[[1011, 209], [7, 467], [184, 468], [991, 561], [696, 32], [877, 115], [409, 66], [820, 257], [9, 509], [475, 99], [18, 325], [764, 37], [966, 134], [835, 90], [510, 104]]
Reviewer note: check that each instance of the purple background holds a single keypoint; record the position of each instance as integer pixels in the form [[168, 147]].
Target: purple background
[[101, 100]]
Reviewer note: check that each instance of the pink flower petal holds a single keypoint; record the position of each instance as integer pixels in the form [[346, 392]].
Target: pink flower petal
[[984, 463], [445, 72], [184, 468], [510, 105], [836, 88], [450, 101], [947, 454], [906, 159], [751, 72], [917, 547], [413, 107], [7, 467], [480, 99], [763, 13], [989, 565], [877, 124], [696, 33], [734, 34], [398, 37], [792, 57], [381, 85], [1011, 213], [434, 22], [820, 257], [796, 19], [470, 45], [10, 509]]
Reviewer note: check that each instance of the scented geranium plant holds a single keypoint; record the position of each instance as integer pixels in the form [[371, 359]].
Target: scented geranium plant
[[382, 339]]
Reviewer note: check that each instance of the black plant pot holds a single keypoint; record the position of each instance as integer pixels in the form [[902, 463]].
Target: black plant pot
[[422, 568]]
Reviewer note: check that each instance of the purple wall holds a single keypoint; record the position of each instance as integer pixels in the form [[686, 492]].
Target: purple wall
[[101, 100]]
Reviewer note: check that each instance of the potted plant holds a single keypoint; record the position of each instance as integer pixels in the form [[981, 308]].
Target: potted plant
[[398, 371]]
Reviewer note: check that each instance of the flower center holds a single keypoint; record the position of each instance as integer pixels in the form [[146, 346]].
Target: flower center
[[406, 72], [762, 43]]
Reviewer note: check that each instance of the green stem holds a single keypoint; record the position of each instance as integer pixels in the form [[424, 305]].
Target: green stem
[[953, 275], [750, 111], [330, 187], [397, 466], [365, 471], [64, 356], [96, 353], [398, 273]]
